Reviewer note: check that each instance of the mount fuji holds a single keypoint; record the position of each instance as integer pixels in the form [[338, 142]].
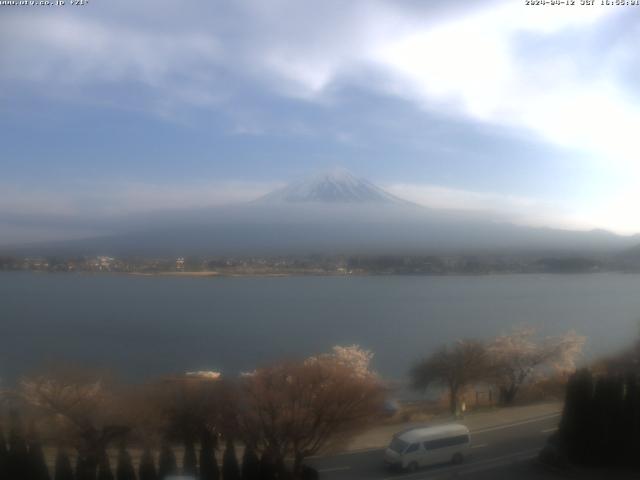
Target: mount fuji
[[334, 212], [336, 186]]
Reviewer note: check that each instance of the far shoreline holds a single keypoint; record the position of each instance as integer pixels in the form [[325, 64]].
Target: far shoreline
[[217, 274]]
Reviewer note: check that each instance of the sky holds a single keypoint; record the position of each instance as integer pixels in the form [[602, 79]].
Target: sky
[[123, 107]]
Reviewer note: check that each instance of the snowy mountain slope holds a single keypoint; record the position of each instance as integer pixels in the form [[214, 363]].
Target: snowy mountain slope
[[336, 186]]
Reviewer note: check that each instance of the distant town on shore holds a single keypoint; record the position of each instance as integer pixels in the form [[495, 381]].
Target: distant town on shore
[[323, 265]]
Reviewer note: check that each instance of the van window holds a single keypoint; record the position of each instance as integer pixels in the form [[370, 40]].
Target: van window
[[413, 447], [398, 445], [446, 442]]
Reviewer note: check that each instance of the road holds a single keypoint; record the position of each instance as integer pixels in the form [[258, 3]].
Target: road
[[495, 451]]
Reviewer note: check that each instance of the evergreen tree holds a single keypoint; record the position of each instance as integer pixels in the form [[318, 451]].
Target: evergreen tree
[[189, 460], [309, 473], [18, 455], [147, 468], [86, 466], [281, 470], [80, 466], [250, 464], [267, 466], [230, 468], [632, 419], [104, 468], [167, 464], [619, 428], [575, 431], [36, 461], [208, 463], [600, 421], [600, 450], [125, 470], [3, 456], [63, 470]]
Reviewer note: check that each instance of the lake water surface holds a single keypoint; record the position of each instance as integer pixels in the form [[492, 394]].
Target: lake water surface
[[143, 326]]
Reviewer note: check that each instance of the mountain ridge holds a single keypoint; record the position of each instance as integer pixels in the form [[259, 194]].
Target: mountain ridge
[[334, 212]]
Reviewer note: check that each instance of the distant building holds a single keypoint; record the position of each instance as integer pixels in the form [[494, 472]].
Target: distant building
[[204, 374], [180, 264], [102, 263], [36, 264]]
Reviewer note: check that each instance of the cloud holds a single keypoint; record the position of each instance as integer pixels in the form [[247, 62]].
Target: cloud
[[12, 234], [88, 199], [89, 209], [306, 45], [85, 58], [149, 197], [619, 211], [493, 63], [558, 76], [488, 66], [507, 208]]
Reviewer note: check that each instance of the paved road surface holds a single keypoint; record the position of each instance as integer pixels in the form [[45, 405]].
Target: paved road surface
[[495, 451]]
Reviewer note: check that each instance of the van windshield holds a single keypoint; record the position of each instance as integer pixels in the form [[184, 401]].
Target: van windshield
[[398, 445]]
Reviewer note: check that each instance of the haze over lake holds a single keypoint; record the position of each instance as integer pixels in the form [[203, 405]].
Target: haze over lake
[[149, 326]]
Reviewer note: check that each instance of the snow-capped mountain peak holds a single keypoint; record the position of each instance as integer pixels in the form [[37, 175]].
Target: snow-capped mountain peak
[[334, 186]]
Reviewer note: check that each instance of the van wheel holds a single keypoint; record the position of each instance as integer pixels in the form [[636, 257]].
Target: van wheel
[[458, 458], [412, 467]]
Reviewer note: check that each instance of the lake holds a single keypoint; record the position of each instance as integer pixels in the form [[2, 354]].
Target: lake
[[149, 326]]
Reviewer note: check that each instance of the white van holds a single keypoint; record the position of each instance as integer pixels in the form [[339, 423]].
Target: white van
[[418, 447]]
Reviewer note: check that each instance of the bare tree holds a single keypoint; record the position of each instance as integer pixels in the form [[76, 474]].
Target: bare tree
[[82, 407], [516, 357], [182, 407], [300, 408], [452, 367]]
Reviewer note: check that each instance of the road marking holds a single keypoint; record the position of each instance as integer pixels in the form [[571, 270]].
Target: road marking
[[350, 452], [482, 430], [480, 445], [472, 467], [334, 469], [502, 458], [500, 461], [549, 430], [516, 424]]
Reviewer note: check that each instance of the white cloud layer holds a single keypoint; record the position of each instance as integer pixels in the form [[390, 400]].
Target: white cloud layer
[[509, 208], [91, 199], [113, 200]]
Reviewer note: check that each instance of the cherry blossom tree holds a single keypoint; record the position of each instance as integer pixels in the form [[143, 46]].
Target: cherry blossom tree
[[297, 409], [353, 357], [518, 356]]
